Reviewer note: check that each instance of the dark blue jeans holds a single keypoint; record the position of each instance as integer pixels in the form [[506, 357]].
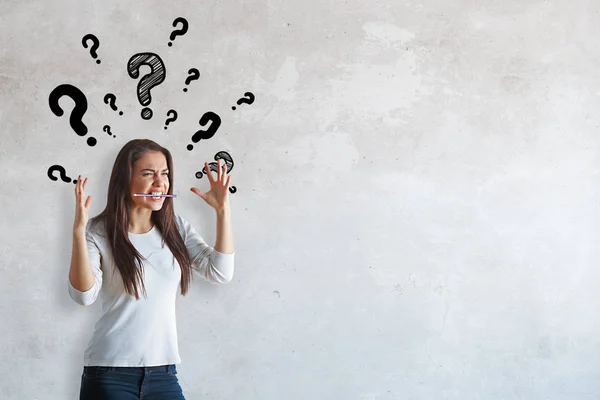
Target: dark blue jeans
[[130, 383]]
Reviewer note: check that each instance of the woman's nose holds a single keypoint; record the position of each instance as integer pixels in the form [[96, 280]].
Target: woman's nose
[[159, 181]]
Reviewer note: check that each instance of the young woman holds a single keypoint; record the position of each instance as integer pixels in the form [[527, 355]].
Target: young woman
[[134, 256]]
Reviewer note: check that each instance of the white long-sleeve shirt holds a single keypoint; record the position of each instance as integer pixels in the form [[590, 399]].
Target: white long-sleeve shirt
[[136, 333]]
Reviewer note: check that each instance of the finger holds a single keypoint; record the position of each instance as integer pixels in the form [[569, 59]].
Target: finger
[[84, 183], [219, 173], [199, 192], [224, 171], [227, 183], [81, 190], [77, 187], [88, 202], [208, 173]]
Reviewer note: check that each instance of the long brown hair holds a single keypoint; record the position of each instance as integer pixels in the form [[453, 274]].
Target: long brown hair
[[116, 219]]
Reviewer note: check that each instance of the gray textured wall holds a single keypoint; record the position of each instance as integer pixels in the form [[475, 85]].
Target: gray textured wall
[[417, 204]]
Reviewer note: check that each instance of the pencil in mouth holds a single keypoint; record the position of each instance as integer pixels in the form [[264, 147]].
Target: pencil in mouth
[[154, 195]]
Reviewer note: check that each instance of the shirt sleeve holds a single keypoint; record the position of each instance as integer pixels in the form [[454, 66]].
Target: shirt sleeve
[[210, 264], [89, 296]]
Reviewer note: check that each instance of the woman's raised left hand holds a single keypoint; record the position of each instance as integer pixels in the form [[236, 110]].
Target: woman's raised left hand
[[218, 195]]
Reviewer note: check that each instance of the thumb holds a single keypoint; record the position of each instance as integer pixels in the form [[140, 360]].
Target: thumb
[[199, 192]]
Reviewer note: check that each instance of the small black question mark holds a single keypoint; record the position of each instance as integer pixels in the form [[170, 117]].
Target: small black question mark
[[107, 130], [95, 45], [247, 99], [155, 78], [208, 116], [78, 111], [178, 32], [63, 174], [213, 166], [110, 99], [172, 119], [194, 75]]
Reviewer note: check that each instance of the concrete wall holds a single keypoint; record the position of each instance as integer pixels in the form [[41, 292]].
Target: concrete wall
[[417, 192]]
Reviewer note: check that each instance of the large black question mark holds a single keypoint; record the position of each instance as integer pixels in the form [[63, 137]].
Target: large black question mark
[[155, 78], [209, 132], [247, 99], [95, 45], [62, 172], [194, 74], [172, 119], [213, 166], [78, 111], [178, 32], [110, 99]]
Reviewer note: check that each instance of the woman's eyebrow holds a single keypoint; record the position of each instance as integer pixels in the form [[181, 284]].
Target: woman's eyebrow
[[150, 169]]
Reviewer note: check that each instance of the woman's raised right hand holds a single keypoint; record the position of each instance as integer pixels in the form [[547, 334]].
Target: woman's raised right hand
[[81, 208]]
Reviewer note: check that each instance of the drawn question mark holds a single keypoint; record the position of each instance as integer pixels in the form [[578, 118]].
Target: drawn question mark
[[110, 99], [213, 166], [172, 119], [107, 130], [78, 111], [194, 75], [63, 174], [178, 32], [95, 45], [247, 99], [208, 116], [155, 78]]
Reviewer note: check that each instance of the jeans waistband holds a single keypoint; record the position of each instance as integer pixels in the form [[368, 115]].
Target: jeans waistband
[[157, 368]]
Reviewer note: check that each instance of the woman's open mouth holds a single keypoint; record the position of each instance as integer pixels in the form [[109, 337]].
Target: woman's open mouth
[[156, 196]]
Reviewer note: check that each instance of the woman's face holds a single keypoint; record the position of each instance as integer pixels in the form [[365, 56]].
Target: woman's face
[[150, 174]]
